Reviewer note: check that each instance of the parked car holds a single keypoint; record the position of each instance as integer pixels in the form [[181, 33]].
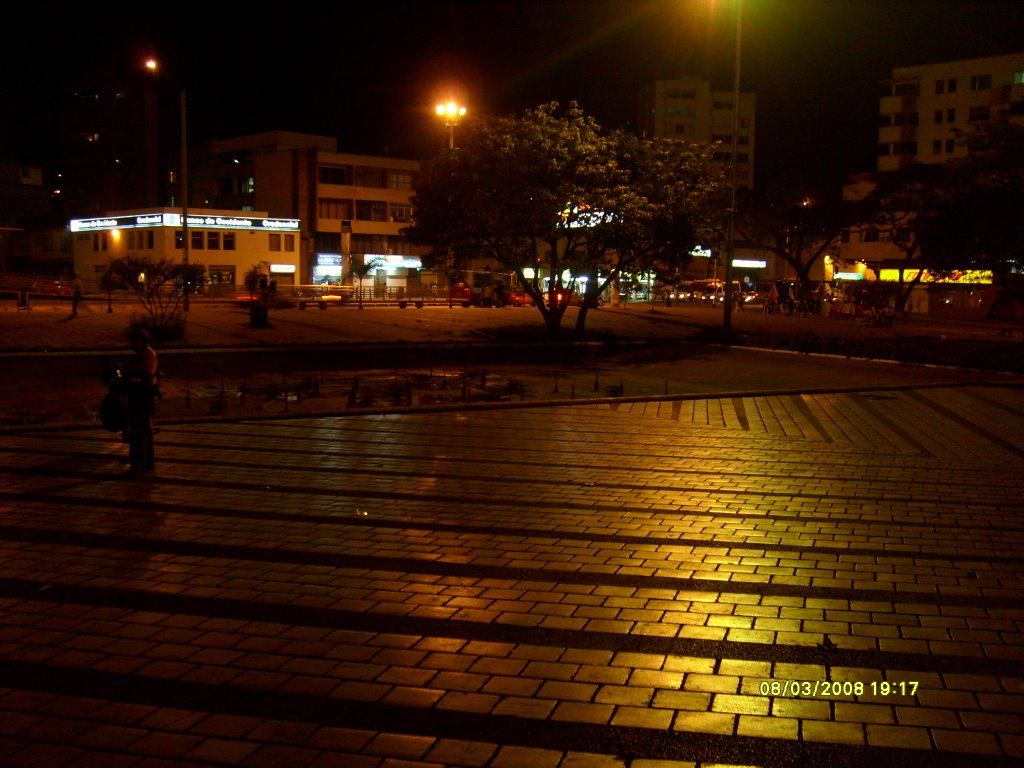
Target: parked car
[[52, 288]]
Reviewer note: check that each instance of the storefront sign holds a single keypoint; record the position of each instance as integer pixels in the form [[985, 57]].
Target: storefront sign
[[168, 219]]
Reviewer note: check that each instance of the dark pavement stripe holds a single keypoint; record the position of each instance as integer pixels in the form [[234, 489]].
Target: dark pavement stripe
[[365, 621]]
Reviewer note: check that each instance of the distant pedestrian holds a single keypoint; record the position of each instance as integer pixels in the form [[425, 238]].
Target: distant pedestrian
[[141, 383], [76, 294]]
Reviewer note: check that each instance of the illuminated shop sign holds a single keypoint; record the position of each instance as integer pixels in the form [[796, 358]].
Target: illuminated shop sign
[[700, 252], [393, 261], [174, 220], [328, 260], [849, 276], [957, 276], [749, 263], [283, 269]]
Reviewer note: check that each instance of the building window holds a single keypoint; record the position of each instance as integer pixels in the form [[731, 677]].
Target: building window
[[979, 114], [332, 208], [371, 210], [289, 243], [1017, 108], [906, 89], [213, 241], [938, 116], [377, 244], [981, 82], [221, 274], [375, 178], [940, 86], [869, 235], [680, 128], [179, 239], [150, 239], [334, 174], [401, 213], [229, 241], [275, 242], [197, 240], [949, 145], [951, 115], [1018, 77], [399, 180], [951, 85], [937, 147]]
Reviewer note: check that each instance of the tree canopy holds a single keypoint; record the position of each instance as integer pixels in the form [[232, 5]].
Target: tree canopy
[[793, 220], [551, 194], [979, 223]]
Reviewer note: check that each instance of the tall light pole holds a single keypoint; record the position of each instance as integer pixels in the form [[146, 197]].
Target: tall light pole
[[731, 243], [153, 66], [452, 113]]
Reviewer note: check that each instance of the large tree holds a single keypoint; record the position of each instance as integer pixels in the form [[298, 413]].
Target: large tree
[[904, 205], [646, 217], [793, 221], [979, 223], [551, 193]]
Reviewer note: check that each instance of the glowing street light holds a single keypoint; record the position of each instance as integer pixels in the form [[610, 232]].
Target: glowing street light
[[153, 66], [452, 113]]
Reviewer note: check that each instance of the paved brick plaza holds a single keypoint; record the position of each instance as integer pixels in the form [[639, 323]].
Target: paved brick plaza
[[635, 584]]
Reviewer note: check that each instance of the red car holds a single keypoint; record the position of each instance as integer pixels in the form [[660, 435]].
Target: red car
[[52, 288]]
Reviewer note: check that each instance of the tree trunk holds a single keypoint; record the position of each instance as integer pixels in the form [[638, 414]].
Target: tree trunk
[[581, 319]]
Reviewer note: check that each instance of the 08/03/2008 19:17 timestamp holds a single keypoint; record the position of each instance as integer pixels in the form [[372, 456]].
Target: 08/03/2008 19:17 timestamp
[[812, 688]]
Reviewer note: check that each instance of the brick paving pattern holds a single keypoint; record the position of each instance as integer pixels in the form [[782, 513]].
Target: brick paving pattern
[[794, 579]]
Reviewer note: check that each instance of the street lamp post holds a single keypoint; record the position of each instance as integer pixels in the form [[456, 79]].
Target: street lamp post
[[184, 199], [152, 66], [731, 245], [452, 113]]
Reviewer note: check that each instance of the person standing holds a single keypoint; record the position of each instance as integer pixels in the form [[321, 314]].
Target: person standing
[[76, 294], [141, 382]]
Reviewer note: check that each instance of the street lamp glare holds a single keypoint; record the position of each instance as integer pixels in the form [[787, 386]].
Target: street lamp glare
[[451, 112], [152, 65], [450, 109]]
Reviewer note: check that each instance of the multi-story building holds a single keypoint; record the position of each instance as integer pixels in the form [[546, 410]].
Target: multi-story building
[[923, 107], [690, 110], [352, 207]]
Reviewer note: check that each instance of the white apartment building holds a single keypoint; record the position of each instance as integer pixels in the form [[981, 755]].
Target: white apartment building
[[923, 106], [690, 110]]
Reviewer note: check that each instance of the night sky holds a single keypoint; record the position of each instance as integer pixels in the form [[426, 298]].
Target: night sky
[[370, 77]]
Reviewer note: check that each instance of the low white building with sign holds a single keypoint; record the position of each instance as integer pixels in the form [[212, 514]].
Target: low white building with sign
[[227, 243]]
